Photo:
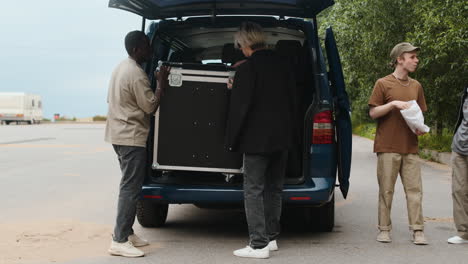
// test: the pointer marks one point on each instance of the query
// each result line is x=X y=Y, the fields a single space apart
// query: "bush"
x=440 y=143
x=65 y=118
x=99 y=118
x=365 y=130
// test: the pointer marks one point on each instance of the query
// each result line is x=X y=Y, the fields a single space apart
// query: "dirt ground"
x=52 y=241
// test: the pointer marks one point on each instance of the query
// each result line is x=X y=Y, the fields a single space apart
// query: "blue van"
x=197 y=32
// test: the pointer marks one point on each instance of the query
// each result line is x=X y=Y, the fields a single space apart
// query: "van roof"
x=160 y=9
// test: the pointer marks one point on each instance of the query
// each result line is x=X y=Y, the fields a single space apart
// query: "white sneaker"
x=384 y=236
x=249 y=252
x=419 y=238
x=273 y=246
x=137 y=241
x=457 y=240
x=125 y=249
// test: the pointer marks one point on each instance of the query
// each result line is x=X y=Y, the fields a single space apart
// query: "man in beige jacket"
x=131 y=102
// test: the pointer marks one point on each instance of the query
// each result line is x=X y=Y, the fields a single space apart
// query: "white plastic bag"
x=414 y=118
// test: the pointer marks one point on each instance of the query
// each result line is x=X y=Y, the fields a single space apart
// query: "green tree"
x=366 y=31
x=441 y=29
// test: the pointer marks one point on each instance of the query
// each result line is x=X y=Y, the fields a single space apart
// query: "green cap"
x=401 y=48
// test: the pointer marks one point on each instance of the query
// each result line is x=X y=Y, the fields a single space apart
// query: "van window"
x=39 y=104
x=33 y=102
x=214 y=45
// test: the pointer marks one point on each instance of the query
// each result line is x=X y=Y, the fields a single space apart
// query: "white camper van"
x=20 y=107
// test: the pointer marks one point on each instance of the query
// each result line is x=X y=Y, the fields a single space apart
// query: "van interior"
x=201 y=40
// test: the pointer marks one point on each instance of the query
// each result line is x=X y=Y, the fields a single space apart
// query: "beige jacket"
x=131 y=101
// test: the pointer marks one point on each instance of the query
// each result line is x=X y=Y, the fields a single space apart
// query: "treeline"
x=366 y=31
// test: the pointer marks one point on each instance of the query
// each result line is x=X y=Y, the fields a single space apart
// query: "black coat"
x=262 y=104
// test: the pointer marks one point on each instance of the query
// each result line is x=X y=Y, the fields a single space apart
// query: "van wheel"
x=150 y=214
x=321 y=219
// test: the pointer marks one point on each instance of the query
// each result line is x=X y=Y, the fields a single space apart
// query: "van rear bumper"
x=306 y=194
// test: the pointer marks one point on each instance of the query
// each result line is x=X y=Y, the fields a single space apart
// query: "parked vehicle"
x=20 y=107
x=196 y=38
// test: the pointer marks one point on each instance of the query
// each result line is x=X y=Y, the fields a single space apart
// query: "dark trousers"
x=263 y=187
x=133 y=166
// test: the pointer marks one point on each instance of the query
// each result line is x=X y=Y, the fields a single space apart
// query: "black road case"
x=191 y=120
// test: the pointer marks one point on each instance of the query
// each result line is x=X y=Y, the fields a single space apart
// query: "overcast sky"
x=62 y=50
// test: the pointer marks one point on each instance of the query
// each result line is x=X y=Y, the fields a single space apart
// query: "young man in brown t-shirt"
x=395 y=144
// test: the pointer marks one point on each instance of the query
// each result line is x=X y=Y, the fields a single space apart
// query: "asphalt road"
x=58 y=189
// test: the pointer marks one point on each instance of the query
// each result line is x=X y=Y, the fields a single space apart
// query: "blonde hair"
x=250 y=35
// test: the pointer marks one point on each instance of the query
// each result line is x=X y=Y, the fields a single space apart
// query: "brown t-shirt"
x=393 y=134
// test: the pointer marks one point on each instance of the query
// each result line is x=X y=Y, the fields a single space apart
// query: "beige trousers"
x=389 y=165
x=460 y=193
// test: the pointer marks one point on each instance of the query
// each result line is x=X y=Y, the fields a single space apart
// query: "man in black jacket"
x=260 y=126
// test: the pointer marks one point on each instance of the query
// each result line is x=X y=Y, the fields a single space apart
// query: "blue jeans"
x=263 y=187
x=133 y=166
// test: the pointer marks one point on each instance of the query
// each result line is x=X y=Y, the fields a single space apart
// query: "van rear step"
x=208 y=179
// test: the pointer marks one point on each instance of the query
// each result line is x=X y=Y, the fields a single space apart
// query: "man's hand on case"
x=162 y=77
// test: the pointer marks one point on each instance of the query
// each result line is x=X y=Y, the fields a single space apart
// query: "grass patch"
x=366 y=130
x=440 y=143
x=425 y=155
x=99 y=118
x=65 y=118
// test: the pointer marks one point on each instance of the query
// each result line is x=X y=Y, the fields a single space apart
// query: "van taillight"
x=304 y=198
x=322 y=132
x=153 y=196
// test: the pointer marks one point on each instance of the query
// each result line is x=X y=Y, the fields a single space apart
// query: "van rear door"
x=342 y=111
x=160 y=9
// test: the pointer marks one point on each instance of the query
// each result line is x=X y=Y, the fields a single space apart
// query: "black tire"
x=321 y=219
x=150 y=214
